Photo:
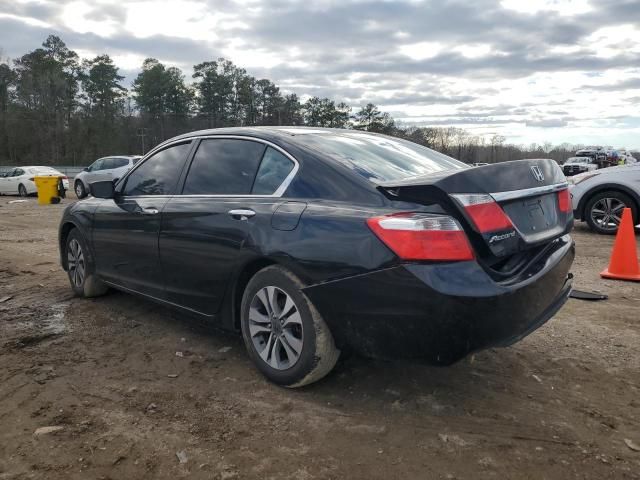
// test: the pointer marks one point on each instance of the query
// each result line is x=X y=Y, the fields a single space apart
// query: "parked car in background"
x=599 y=196
x=20 y=180
x=107 y=168
x=627 y=157
x=597 y=155
x=576 y=165
x=314 y=241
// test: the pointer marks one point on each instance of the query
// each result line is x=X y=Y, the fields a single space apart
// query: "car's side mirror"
x=103 y=189
x=85 y=169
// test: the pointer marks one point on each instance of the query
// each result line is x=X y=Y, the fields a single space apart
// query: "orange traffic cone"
x=624 y=257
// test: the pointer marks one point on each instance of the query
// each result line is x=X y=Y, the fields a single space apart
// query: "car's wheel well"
x=246 y=274
x=65 y=230
x=607 y=188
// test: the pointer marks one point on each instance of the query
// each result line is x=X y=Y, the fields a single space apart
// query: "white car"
x=599 y=197
x=107 y=168
x=576 y=165
x=20 y=180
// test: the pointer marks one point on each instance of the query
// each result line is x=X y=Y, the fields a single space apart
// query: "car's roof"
x=268 y=132
x=45 y=167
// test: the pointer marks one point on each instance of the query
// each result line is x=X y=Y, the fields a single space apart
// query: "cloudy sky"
x=531 y=70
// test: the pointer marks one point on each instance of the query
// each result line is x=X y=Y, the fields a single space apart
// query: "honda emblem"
x=537 y=173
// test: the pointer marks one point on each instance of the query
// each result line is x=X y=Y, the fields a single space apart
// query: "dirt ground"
x=140 y=391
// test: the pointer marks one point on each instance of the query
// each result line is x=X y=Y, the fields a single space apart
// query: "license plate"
x=535 y=214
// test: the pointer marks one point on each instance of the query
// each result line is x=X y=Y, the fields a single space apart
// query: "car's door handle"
x=149 y=211
x=242 y=213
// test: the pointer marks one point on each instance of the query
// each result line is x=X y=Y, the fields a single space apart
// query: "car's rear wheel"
x=603 y=211
x=22 y=190
x=81 y=192
x=80 y=269
x=285 y=335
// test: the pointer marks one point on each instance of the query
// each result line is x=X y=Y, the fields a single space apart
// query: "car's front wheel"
x=81 y=192
x=603 y=211
x=80 y=268
x=285 y=335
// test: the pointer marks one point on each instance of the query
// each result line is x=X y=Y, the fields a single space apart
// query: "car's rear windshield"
x=380 y=158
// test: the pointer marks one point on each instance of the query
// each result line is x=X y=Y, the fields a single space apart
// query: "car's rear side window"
x=108 y=164
x=119 y=162
x=223 y=166
x=378 y=157
x=273 y=170
x=159 y=174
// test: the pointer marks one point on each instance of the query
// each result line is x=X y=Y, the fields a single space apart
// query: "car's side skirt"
x=158 y=300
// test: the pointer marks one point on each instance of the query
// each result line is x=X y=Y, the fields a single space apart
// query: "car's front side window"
x=95 y=166
x=223 y=166
x=159 y=174
x=273 y=170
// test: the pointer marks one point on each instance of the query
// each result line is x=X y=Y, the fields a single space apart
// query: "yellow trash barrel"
x=47 y=189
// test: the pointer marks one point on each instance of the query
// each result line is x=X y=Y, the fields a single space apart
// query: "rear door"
x=125 y=229
x=119 y=168
x=231 y=186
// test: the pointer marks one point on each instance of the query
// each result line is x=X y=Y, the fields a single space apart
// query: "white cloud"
x=421 y=50
x=75 y=16
x=27 y=20
x=562 y=7
x=473 y=50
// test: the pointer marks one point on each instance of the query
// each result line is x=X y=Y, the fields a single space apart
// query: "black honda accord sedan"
x=316 y=241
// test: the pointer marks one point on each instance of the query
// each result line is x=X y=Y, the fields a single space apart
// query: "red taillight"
x=564 y=202
x=32 y=179
x=484 y=211
x=422 y=236
x=64 y=177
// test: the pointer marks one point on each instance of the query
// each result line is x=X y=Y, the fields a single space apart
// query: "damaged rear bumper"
x=442 y=312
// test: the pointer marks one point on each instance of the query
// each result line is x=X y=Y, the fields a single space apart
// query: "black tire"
x=88 y=285
x=22 y=191
x=317 y=354
x=592 y=209
x=79 y=189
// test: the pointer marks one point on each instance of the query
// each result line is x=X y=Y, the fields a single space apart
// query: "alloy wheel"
x=275 y=327
x=22 y=191
x=79 y=191
x=607 y=213
x=75 y=262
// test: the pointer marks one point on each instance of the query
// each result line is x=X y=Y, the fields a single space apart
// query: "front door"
x=126 y=228
x=227 y=192
x=5 y=182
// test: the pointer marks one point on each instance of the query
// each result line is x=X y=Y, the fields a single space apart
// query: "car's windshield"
x=380 y=158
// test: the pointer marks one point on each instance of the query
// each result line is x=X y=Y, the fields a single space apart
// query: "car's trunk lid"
x=525 y=190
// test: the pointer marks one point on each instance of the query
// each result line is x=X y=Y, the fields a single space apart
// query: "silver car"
x=107 y=168
x=600 y=196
